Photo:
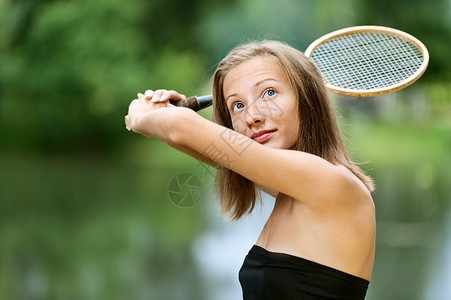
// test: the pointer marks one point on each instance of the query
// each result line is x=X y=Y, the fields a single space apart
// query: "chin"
x=275 y=142
x=275 y=145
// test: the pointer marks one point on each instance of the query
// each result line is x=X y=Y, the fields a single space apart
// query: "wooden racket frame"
x=377 y=29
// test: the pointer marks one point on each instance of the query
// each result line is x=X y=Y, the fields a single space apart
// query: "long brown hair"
x=319 y=132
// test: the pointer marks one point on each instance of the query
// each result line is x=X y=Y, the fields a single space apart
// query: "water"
x=413 y=251
x=77 y=228
x=221 y=250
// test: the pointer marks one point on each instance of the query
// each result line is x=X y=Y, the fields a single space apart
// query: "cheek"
x=238 y=124
x=297 y=126
x=296 y=118
x=293 y=135
x=294 y=123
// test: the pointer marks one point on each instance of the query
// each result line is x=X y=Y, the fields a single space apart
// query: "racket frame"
x=374 y=29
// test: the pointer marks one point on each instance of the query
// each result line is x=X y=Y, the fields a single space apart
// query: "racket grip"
x=194 y=102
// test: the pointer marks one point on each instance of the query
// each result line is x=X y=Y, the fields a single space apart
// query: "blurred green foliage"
x=69 y=68
x=84 y=212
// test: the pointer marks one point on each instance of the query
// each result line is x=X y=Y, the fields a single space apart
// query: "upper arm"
x=308 y=178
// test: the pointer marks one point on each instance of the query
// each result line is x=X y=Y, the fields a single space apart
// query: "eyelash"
x=264 y=93
x=269 y=90
x=235 y=104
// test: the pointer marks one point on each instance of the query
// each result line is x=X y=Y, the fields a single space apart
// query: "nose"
x=254 y=116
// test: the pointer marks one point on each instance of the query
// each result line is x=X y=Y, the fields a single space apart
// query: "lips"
x=262 y=135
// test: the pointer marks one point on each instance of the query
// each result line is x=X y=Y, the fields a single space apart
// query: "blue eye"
x=269 y=93
x=237 y=106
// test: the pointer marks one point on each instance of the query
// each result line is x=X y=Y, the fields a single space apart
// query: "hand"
x=147 y=102
x=162 y=96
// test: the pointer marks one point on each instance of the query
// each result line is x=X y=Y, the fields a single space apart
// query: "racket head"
x=365 y=61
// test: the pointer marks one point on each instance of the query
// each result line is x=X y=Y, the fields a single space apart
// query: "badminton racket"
x=366 y=61
x=359 y=61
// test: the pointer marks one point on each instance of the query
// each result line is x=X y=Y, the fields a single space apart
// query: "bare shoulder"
x=345 y=192
x=353 y=184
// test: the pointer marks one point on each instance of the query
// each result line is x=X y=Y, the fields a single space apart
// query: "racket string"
x=366 y=61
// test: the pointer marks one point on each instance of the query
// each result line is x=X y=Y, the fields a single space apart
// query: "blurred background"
x=85 y=211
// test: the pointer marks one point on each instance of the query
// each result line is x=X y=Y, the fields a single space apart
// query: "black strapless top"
x=270 y=275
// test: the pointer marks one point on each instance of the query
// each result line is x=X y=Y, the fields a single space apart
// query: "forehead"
x=253 y=71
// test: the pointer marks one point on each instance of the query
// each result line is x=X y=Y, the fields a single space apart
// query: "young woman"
x=275 y=129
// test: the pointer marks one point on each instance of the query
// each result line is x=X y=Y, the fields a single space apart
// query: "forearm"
x=193 y=153
x=198 y=135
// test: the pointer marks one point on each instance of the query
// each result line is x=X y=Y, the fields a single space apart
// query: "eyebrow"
x=264 y=80
x=231 y=95
x=255 y=85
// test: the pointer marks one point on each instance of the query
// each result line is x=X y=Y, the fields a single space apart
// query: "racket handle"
x=194 y=102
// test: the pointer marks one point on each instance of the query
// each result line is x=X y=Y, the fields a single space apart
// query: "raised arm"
x=308 y=178
x=303 y=176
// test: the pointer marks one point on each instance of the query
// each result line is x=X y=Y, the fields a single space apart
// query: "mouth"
x=262 y=136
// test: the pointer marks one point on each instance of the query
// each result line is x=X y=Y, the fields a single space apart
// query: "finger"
x=140 y=96
x=127 y=123
x=157 y=95
x=171 y=95
x=148 y=94
x=165 y=96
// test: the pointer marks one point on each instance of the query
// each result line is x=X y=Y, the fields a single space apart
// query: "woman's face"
x=262 y=104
